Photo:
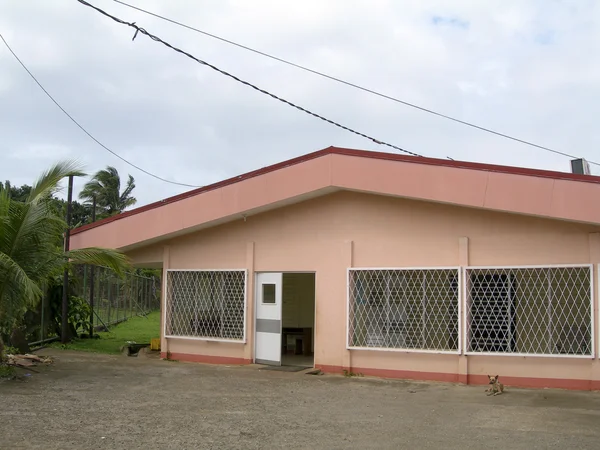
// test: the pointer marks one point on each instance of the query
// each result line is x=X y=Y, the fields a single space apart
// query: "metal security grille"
x=531 y=310
x=206 y=304
x=409 y=309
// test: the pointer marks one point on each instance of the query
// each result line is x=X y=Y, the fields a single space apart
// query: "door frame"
x=255 y=303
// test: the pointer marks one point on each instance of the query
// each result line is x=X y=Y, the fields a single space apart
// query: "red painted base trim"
x=388 y=373
x=536 y=383
x=523 y=382
x=206 y=359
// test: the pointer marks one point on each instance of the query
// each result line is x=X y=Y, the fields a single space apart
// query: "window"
x=493 y=312
x=529 y=310
x=403 y=309
x=268 y=294
x=206 y=304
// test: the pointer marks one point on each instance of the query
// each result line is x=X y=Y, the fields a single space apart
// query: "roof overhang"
x=243 y=215
x=553 y=195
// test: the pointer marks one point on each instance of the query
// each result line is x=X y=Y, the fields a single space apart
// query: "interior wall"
x=298 y=298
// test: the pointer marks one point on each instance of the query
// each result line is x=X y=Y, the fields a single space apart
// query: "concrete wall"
x=329 y=234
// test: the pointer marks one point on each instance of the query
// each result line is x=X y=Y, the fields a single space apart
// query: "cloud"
x=44 y=151
x=450 y=21
x=187 y=123
x=546 y=37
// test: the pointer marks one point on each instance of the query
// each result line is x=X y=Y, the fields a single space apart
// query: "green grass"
x=115 y=314
x=138 y=329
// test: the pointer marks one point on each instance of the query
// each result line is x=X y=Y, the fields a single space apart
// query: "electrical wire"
x=178 y=50
x=347 y=83
x=83 y=129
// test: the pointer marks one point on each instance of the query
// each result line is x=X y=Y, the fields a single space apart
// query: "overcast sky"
x=529 y=68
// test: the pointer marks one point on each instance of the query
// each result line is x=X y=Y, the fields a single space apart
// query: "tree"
x=105 y=185
x=31 y=250
x=19 y=194
x=80 y=213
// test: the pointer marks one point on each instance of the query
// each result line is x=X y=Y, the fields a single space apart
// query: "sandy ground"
x=116 y=402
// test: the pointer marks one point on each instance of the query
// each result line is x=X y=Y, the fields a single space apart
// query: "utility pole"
x=65 y=293
x=92 y=273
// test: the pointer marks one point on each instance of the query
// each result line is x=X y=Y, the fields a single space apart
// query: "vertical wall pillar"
x=463 y=261
x=594 y=242
x=249 y=347
x=348 y=258
x=164 y=346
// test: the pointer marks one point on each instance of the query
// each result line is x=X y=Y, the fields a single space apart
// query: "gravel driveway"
x=97 y=401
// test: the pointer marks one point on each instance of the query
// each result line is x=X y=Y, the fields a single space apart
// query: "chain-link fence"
x=117 y=299
x=114 y=300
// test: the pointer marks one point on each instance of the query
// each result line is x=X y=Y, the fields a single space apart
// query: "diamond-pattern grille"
x=206 y=304
x=529 y=310
x=404 y=309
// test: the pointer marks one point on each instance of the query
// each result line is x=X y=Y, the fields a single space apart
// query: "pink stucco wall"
x=331 y=233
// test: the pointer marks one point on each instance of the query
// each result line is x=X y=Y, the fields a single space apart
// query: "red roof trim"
x=347 y=152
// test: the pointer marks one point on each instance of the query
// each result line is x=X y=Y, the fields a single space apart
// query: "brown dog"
x=496 y=388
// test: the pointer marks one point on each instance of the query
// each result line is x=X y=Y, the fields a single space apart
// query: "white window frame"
x=200 y=338
x=595 y=294
x=459 y=279
x=466 y=325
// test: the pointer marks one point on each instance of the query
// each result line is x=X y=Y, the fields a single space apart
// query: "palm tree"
x=30 y=247
x=105 y=185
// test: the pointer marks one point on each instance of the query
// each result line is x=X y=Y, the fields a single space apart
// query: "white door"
x=268 y=319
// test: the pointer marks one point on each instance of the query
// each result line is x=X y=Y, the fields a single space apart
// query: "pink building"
x=381 y=264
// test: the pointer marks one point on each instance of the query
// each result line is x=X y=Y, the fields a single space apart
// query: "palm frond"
x=10 y=225
x=105 y=186
x=5 y=222
x=15 y=285
x=31 y=240
x=31 y=235
x=126 y=203
x=48 y=183
x=97 y=256
x=4 y=202
x=125 y=199
x=129 y=188
x=90 y=190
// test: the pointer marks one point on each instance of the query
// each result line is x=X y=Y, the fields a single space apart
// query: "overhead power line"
x=287 y=102
x=348 y=83
x=83 y=129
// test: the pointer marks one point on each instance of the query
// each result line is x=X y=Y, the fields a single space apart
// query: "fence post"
x=109 y=301
x=92 y=273
x=119 y=300
x=137 y=291
x=129 y=296
x=145 y=294
x=65 y=337
x=42 y=318
x=115 y=299
x=92 y=289
x=84 y=281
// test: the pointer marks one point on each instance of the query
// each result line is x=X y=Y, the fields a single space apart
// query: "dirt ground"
x=116 y=402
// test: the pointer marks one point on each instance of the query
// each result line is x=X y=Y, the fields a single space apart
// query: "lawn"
x=139 y=329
